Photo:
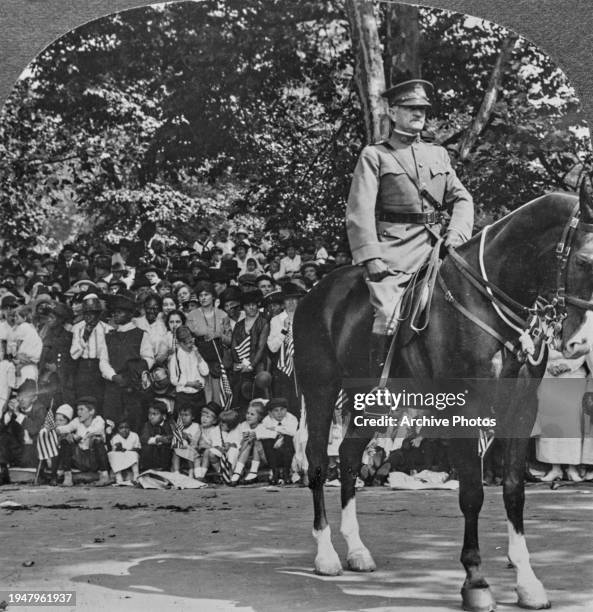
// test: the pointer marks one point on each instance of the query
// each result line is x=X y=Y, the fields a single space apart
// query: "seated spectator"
x=221 y=456
x=188 y=453
x=251 y=451
x=22 y=418
x=63 y=416
x=277 y=432
x=82 y=443
x=155 y=439
x=210 y=439
x=125 y=449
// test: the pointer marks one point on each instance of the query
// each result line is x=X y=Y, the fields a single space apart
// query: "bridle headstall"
x=539 y=324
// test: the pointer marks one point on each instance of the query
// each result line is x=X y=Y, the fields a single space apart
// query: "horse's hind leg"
x=319 y=403
x=359 y=558
x=475 y=592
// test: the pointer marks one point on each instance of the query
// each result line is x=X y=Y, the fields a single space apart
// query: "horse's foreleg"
x=327 y=562
x=475 y=592
x=359 y=558
x=530 y=591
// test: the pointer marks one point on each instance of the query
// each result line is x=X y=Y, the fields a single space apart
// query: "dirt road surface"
x=250 y=550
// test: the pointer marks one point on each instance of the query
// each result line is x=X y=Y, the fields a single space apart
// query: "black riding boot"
x=379 y=348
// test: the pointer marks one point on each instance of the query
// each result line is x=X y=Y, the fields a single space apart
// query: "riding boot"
x=380 y=344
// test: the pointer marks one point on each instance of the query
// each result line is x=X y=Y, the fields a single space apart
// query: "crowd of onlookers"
x=121 y=358
x=148 y=355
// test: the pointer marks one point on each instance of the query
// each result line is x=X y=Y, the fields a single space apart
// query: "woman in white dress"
x=564 y=433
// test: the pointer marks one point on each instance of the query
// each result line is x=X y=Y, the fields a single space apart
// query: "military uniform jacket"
x=389 y=177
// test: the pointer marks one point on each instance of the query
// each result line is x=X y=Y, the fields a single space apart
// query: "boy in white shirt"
x=277 y=432
x=82 y=443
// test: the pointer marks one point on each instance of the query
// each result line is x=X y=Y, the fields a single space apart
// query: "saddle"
x=415 y=306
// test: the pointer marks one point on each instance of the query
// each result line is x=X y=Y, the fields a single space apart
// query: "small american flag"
x=484 y=441
x=244 y=349
x=47 y=439
x=286 y=359
x=226 y=393
x=342 y=400
x=177 y=427
x=226 y=468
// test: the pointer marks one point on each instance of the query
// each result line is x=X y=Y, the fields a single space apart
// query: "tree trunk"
x=490 y=98
x=403 y=40
x=369 y=75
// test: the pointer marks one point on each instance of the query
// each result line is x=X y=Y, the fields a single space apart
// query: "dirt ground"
x=250 y=549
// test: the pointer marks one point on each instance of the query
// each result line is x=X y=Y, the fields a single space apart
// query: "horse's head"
x=577 y=329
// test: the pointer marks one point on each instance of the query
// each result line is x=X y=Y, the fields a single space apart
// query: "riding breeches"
x=386 y=298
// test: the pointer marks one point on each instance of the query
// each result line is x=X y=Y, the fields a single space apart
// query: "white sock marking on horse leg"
x=359 y=558
x=530 y=590
x=327 y=562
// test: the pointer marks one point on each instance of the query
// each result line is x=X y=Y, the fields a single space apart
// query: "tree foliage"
x=193 y=112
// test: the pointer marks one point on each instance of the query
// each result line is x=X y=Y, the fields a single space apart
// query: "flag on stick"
x=286 y=359
x=226 y=393
x=47 y=439
x=244 y=348
x=177 y=427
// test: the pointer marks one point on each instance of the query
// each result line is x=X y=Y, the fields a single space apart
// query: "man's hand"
x=376 y=269
x=453 y=239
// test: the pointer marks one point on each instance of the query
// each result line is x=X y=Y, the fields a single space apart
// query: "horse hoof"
x=328 y=566
x=478 y=599
x=534 y=598
x=361 y=561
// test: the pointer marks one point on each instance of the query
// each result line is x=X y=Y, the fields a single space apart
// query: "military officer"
x=397 y=188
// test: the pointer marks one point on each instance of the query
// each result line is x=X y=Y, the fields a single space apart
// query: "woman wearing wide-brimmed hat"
x=248 y=345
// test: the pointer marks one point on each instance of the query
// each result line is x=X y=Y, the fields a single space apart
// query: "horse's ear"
x=586 y=199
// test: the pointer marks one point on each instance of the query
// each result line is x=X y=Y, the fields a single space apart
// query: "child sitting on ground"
x=82 y=443
x=188 y=453
x=62 y=417
x=156 y=439
x=277 y=432
x=125 y=449
x=251 y=450
x=211 y=437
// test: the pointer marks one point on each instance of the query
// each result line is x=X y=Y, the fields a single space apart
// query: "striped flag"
x=484 y=441
x=47 y=439
x=244 y=348
x=342 y=400
x=286 y=359
x=177 y=427
x=226 y=469
x=226 y=393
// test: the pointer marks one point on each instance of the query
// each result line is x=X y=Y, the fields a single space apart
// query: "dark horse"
x=332 y=327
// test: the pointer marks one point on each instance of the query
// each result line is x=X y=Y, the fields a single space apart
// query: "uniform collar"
x=406 y=138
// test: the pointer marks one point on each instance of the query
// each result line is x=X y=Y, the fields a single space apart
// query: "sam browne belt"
x=429 y=218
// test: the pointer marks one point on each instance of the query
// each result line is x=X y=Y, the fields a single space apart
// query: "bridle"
x=542 y=322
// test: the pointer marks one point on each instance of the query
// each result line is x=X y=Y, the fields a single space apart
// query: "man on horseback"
x=398 y=190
